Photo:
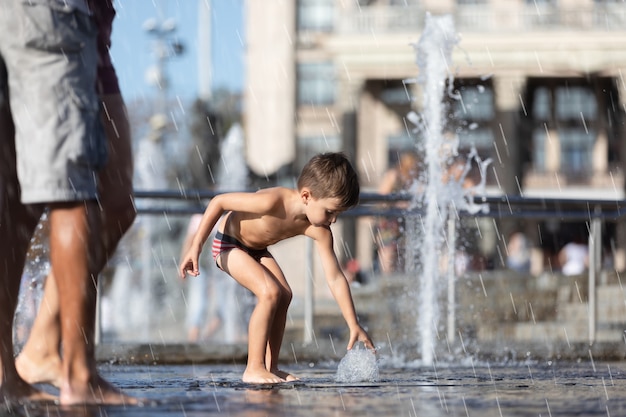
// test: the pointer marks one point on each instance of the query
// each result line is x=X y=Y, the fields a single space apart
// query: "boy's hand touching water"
x=360 y=335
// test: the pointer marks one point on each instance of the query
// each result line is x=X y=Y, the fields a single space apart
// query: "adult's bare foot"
x=261 y=376
x=39 y=371
x=19 y=392
x=285 y=375
x=99 y=391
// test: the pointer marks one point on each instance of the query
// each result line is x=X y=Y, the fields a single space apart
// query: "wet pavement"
x=538 y=388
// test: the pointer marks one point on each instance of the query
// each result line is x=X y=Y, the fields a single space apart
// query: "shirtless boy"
x=327 y=186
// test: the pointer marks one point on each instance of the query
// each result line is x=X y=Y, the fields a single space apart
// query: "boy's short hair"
x=330 y=175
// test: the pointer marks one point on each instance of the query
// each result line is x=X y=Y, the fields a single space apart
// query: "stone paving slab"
x=518 y=389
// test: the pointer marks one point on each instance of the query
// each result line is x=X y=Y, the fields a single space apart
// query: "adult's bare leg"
x=73 y=228
x=17 y=224
x=40 y=361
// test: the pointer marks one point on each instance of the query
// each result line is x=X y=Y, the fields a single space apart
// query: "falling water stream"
x=433 y=58
x=440 y=197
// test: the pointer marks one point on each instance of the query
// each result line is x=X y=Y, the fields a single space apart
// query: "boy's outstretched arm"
x=340 y=288
x=192 y=247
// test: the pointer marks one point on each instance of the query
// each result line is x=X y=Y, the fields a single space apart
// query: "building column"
x=348 y=98
x=552 y=150
x=371 y=149
x=358 y=104
x=619 y=257
x=269 y=108
x=507 y=163
x=508 y=90
x=599 y=160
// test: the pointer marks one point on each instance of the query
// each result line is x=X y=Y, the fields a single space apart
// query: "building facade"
x=539 y=84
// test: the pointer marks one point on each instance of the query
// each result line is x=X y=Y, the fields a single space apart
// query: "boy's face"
x=322 y=211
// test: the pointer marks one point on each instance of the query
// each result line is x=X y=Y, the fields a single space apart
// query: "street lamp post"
x=151 y=152
x=166 y=46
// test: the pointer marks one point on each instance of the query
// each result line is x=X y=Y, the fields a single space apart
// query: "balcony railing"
x=482 y=18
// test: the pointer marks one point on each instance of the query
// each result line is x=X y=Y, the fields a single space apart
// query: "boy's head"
x=330 y=175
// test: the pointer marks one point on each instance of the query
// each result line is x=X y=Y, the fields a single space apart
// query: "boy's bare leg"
x=17 y=223
x=249 y=273
x=40 y=361
x=277 y=330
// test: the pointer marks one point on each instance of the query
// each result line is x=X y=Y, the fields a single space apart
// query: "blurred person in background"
x=389 y=230
x=574 y=257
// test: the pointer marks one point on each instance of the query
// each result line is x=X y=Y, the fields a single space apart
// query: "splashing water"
x=358 y=365
x=440 y=195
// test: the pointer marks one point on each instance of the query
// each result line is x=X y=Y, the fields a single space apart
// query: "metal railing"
x=596 y=212
x=499 y=206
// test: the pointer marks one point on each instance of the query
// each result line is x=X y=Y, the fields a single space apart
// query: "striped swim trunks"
x=223 y=243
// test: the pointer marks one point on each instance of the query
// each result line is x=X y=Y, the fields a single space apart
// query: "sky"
x=133 y=48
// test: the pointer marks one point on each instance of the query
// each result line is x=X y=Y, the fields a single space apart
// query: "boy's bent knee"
x=286 y=296
x=271 y=294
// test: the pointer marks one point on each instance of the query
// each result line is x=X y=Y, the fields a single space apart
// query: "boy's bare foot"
x=285 y=375
x=261 y=377
x=46 y=371
x=20 y=392
x=100 y=391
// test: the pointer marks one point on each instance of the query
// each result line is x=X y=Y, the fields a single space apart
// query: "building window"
x=315 y=15
x=398 y=144
x=575 y=103
x=541 y=104
x=539 y=149
x=479 y=137
x=569 y=109
x=575 y=109
x=404 y=2
x=367 y=3
x=576 y=147
x=473 y=112
x=541 y=14
x=542 y=2
x=316 y=83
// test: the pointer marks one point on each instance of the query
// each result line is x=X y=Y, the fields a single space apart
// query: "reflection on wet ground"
x=480 y=389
